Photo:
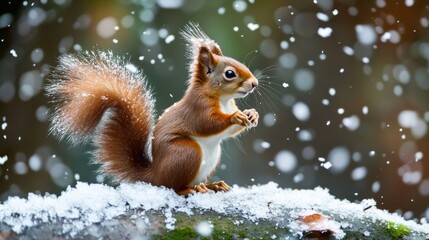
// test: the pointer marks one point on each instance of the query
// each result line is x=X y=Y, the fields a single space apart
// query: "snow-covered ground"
x=86 y=204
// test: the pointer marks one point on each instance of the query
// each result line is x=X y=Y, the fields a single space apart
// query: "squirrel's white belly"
x=211 y=151
x=210 y=148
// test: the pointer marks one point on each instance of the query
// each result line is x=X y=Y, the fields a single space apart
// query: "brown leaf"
x=316 y=224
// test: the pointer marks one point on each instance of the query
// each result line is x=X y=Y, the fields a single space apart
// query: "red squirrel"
x=98 y=97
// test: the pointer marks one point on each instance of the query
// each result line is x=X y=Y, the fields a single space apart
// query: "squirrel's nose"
x=254 y=84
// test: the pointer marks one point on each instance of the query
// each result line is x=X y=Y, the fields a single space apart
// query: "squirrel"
x=99 y=97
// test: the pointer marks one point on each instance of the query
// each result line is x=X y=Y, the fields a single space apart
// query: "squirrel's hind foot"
x=220 y=186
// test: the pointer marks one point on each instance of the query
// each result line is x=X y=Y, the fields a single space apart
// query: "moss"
x=179 y=233
x=397 y=231
x=223 y=228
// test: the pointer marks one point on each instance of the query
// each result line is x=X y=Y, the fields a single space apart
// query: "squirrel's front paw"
x=252 y=116
x=240 y=118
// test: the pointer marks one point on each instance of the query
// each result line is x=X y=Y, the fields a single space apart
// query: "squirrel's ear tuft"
x=195 y=38
x=201 y=50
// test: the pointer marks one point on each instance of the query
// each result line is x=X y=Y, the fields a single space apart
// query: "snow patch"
x=86 y=204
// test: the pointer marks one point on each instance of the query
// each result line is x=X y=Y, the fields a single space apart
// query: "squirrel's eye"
x=229 y=74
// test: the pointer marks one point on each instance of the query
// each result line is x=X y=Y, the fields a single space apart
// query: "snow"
x=284 y=44
x=3 y=159
x=150 y=37
x=380 y=3
x=424 y=187
x=131 y=67
x=288 y=60
x=252 y=26
x=106 y=27
x=366 y=34
x=418 y=156
x=286 y=161
x=391 y=36
x=127 y=21
x=86 y=204
x=169 y=39
x=204 y=229
x=35 y=162
x=365 y=110
x=359 y=173
x=339 y=157
x=326 y=165
x=305 y=135
x=304 y=80
x=37 y=55
x=221 y=11
x=301 y=111
x=409 y=3
x=324 y=32
x=348 y=50
x=410 y=119
x=20 y=168
x=239 y=6
x=375 y=187
x=265 y=145
x=322 y=17
x=13 y=53
x=352 y=123
x=170 y=4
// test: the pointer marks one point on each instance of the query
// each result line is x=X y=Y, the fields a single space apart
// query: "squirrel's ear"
x=206 y=58
x=216 y=50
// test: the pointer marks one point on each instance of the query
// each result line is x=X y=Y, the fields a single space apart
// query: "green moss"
x=223 y=228
x=179 y=233
x=397 y=231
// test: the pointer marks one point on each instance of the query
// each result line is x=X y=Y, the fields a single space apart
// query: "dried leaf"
x=316 y=226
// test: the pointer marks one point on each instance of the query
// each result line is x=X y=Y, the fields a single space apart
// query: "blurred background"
x=344 y=101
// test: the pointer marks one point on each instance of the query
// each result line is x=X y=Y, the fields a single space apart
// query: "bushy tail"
x=99 y=97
